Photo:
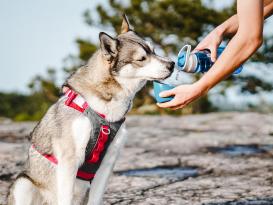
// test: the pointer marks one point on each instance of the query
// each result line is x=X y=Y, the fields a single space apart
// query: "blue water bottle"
x=198 y=62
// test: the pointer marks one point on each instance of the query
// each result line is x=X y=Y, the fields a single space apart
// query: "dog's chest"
x=92 y=135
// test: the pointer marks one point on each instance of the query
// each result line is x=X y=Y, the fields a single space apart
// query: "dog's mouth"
x=170 y=73
x=161 y=78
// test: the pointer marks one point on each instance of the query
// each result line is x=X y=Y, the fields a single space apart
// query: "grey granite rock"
x=227 y=159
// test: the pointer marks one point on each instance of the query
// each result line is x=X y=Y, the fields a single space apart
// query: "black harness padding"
x=97 y=122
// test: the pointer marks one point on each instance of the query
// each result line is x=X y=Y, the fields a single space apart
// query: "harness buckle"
x=70 y=97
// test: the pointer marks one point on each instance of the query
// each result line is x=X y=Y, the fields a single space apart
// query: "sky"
x=37 y=34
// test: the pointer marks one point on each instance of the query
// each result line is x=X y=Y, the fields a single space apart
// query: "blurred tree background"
x=43 y=93
x=168 y=24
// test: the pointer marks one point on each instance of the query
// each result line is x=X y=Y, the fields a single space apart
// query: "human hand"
x=183 y=95
x=211 y=42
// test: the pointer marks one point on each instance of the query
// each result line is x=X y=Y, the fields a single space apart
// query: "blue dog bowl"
x=158 y=88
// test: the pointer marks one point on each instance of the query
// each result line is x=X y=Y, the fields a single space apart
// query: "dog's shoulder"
x=58 y=119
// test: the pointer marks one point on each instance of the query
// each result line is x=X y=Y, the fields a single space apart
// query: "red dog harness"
x=100 y=138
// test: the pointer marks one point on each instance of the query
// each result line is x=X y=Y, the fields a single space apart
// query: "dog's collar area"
x=76 y=101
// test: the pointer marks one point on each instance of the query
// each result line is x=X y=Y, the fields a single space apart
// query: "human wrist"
x=220 y=31
x=229 y=27
x=203 y=86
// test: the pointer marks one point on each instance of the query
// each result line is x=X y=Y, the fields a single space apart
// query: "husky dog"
x=108 y=84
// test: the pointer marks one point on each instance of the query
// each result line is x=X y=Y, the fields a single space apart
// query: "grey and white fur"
x=108 y=83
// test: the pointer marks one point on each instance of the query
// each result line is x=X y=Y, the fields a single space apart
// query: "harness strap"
x=77 y=102
x=100 y=145
x=50 y=157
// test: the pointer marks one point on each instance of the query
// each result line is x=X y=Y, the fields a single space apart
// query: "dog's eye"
x=142 y=59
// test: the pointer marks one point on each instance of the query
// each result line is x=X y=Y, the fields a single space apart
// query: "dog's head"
x=129 y=56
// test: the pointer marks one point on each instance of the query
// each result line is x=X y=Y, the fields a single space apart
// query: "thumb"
x=201 y=46
x=213 y=54
x=198 y=48
x=167 y=93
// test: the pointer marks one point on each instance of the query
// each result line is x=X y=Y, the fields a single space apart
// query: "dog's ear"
x=109 y=46
x=125 y=26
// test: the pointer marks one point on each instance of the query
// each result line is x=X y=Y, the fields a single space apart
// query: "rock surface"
x=218 y=158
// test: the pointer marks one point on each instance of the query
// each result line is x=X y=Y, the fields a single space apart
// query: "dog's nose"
x=171 y=66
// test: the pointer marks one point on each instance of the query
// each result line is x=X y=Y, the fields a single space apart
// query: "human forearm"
x=248 y=37
x=245 y=42
x=237 y=52
x=230 y=26
x=228 y=29
x=268 y=9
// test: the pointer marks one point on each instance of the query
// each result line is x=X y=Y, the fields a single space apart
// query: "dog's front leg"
x=66 y=175
x=70 y=157
x=99 y=183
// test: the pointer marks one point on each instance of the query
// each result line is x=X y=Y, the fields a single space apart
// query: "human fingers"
x=169 y=104
x=213 y=53
x=167 y=93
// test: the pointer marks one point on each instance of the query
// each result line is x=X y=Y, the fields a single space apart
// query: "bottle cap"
x=183 y=57
x=181 y=61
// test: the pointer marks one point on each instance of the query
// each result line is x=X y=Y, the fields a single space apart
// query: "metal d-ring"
x=105 y=131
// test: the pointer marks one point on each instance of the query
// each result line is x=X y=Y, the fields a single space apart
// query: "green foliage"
x=186 y=20
x=86 y=49
x=43 y=92
x=23 y=107
x=253 y=85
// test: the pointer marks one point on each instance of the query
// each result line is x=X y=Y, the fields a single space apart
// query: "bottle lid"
x=181 y=61
x=183 y=57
